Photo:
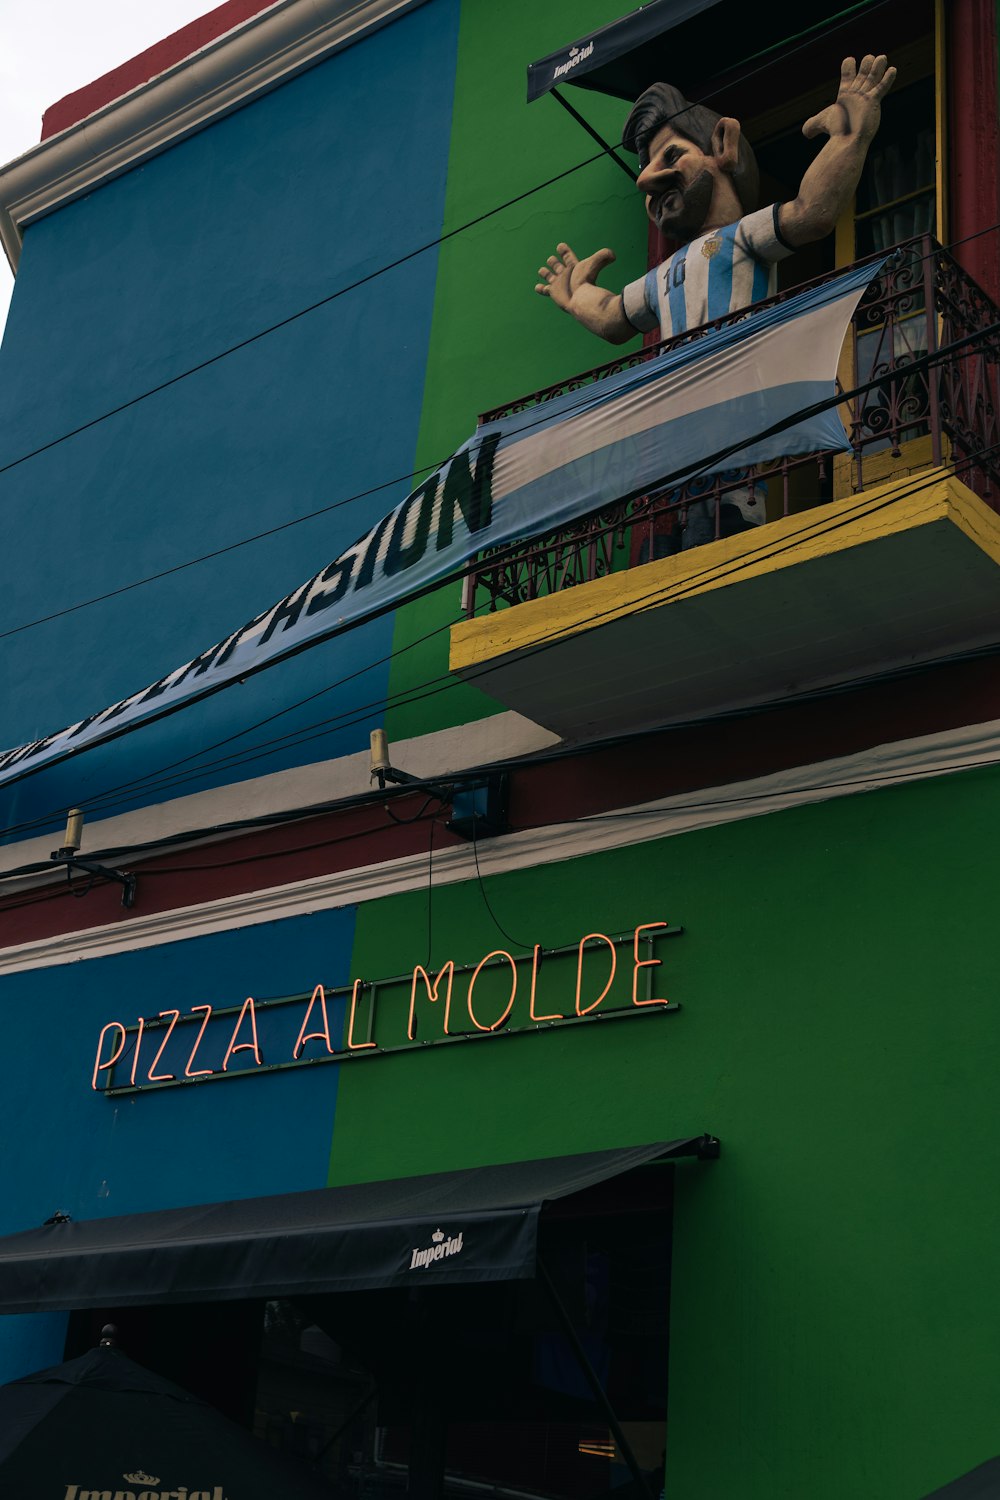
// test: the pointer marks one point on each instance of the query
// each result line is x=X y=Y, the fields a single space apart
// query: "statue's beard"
x=681 y=211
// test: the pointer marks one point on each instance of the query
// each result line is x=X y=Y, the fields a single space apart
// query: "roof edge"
x=266 y=50
x=149 y=63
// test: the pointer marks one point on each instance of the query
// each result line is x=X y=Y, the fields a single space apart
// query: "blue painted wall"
x=309 y=188
x=93 y=1157
x=31 y=1342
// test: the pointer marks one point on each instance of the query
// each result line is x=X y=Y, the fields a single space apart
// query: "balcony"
x=868 y=561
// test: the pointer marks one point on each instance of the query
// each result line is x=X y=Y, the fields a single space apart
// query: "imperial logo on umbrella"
x=87 y=1418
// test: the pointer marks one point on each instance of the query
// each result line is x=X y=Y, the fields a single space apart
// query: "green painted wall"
x=492 y=338
x=836 y=1317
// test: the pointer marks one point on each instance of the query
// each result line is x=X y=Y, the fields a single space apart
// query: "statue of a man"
x=699 y=177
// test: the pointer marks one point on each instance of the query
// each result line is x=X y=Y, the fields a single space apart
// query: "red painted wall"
x=974 y=143
x=156 y=59
x=594 y=781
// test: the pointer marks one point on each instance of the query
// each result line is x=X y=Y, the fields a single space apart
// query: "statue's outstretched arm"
x=829 y=183
x=572 y=285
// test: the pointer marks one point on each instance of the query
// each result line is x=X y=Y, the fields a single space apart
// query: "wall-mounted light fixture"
x=68 y=852
x=478 y=807
x=382 y=769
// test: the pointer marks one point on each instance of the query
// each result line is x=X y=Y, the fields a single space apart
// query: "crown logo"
x=139 y=1477
x=437 y=1236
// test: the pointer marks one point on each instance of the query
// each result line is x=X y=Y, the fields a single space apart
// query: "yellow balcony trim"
x=879 y=468
x=883 y=511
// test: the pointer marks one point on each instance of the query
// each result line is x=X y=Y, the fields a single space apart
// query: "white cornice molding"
x=866 y=771
x=229 y=72
x=503 y=737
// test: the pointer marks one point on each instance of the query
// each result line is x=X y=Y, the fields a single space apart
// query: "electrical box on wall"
x=479 y=809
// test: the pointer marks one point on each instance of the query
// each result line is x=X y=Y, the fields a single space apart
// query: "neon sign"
x=600 y=978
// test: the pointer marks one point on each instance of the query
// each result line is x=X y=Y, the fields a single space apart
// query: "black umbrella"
x=982 y=1483
x=102 y=1425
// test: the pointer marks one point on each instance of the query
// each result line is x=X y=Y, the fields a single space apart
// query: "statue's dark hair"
x=665 y=105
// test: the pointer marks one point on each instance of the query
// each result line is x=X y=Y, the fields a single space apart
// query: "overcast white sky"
x=51 y=47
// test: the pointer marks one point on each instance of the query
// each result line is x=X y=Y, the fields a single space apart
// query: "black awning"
x=982 y=1483
x=683 y=42
x=469 y=1226
x=610 y=51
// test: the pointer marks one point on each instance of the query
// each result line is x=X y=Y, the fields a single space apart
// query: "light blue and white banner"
x=693 y=410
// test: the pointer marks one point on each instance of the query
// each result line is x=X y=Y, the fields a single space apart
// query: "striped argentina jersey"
x=717 y=273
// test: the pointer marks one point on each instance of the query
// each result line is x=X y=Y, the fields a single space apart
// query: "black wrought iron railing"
x=924 y=360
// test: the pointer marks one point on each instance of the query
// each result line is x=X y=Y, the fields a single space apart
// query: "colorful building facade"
x=700 y=850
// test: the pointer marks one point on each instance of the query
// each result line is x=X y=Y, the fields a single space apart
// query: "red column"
x=974 y=138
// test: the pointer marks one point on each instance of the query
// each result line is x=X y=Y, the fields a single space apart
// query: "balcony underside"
x=884 y=579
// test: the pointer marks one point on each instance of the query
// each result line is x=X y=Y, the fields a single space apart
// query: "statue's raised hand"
x=564 y=277
x=858 y=108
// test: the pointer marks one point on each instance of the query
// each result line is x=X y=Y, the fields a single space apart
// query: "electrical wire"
x=294 y=521
x=191 y=562
x=787 y=48
x=347 y=499
x=695 y=582
x=365 y=800
x=551 y=755
x=525 y=947
x=443 y=582
x=889 y=778
x=430 y=888
x=49 y=892
x=302 y=312
x=709 y=464
x=795 y=43
x=323 y=301
x=445 y=682
x=556 y=754
x=432 y=688
x=369 y=666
